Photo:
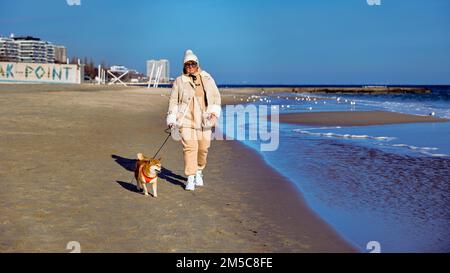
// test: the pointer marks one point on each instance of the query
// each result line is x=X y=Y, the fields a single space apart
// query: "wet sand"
x=355 y=118
x=66 y=166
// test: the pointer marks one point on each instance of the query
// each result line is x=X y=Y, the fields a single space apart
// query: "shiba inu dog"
x=145 y=172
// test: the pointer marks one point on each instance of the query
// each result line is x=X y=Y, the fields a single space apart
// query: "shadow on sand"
x=129 y=164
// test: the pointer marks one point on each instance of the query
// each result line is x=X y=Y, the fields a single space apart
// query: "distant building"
x=123 y=69
x=154 y=65
x=9 y=50
x=60 y=54
x=118 y=68
x=30 y=49
x=33 y=50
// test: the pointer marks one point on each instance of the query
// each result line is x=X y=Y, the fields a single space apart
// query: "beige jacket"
x=182 y=95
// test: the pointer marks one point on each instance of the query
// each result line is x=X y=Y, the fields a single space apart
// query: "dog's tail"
x=140 y=156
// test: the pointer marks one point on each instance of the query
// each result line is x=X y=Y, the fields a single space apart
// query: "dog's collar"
x=148 y=179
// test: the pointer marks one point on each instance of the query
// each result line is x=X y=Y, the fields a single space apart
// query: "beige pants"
x=195 y=149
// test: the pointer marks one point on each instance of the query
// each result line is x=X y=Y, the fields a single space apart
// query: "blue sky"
x=253 y=42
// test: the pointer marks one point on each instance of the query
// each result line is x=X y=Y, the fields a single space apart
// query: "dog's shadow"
x=129 y=164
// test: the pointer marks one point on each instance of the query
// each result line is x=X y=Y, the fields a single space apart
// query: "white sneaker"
x=190 y=185
x=199 y=178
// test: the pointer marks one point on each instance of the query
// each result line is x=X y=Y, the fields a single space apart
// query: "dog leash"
x=168 y=131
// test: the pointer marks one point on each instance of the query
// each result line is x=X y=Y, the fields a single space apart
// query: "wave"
x=422 y=108
x=434 y=155
x=381 y=138
x=411 y=147
x=322 y=128
x=422 y=150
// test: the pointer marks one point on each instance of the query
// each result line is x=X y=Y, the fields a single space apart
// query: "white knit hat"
x=190 y=56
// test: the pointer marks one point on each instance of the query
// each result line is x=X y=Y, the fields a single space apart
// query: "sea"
x=388 y=184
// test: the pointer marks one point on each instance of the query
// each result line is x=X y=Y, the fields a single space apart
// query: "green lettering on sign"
x=55 y=73
x=67 y=72
x=9 y=71
x=36 y=72
x=28 y=70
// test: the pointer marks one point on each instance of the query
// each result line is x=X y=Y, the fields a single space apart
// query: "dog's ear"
x=159 y=159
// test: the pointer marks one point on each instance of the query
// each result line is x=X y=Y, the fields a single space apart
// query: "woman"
x=194 y=108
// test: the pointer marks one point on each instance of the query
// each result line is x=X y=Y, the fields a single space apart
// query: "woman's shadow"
x=128 y=164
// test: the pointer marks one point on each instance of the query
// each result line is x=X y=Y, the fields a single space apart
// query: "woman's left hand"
x=212 y=117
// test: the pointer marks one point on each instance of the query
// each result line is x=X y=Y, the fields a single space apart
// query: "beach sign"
x=40 y=72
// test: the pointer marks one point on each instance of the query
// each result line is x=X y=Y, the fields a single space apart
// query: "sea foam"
x=350 y=136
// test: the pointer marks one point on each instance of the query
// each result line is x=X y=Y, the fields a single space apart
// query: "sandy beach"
x=282 y=127
x=66 y=166
x=66 y=174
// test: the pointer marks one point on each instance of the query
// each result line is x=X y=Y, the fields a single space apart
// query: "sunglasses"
x=190 y=64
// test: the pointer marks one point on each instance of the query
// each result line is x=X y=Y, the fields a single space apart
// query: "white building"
x=118 y=68
x=60 y=54
x=154 y=65
x=31 y=50
x=9 y=50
